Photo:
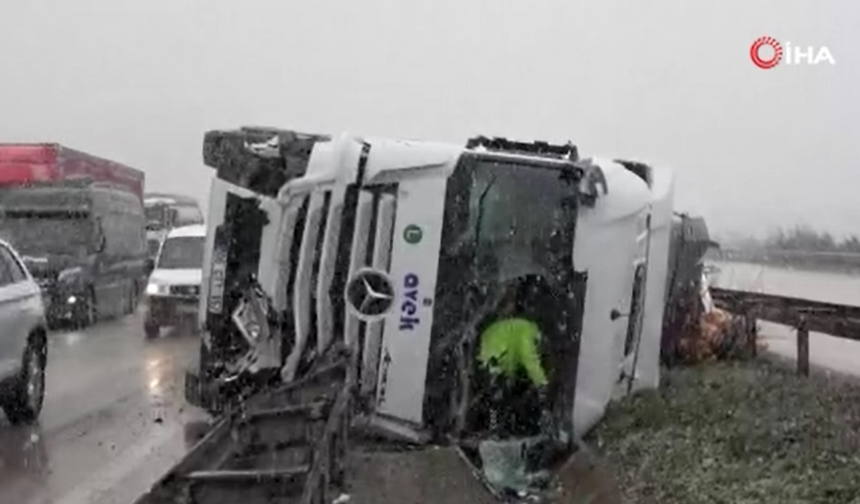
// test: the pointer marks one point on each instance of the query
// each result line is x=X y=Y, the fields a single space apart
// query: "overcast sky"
x=669 y=82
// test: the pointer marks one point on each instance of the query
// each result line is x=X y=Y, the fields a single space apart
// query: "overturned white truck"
x=374 y=263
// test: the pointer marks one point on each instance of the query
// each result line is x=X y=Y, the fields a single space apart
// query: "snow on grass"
x=736 y=433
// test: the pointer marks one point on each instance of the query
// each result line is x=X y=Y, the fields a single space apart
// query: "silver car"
x=23 y=340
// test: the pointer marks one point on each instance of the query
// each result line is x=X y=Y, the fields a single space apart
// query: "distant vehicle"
x=174 y=285
x=23 y=343
x=22 y=164
x=166 y=211
x=83 y=241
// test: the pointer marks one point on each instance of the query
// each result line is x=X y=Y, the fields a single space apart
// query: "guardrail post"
x=802 y=347
x=751 y=329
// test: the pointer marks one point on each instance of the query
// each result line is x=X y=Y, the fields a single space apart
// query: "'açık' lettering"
x=409 y=306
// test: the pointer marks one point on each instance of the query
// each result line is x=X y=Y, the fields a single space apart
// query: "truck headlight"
x=153 y=289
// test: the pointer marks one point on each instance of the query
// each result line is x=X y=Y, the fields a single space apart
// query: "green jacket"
x=513 y=343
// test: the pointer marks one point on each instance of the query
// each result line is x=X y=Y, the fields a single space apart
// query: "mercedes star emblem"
x=370 y=293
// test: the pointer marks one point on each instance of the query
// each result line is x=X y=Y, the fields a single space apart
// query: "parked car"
x=173 y=290
x=23 y=339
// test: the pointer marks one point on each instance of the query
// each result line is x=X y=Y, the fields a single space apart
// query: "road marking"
x=106 y=479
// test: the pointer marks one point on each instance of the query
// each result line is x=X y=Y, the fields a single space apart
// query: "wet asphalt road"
x=114 y=418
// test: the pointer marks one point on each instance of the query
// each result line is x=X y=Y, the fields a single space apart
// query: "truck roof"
x=194 y=230
x=264 y=159
x=25 y=163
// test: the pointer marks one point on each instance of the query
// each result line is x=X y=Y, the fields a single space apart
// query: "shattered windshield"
x=516 y=212
x=53 y=233
x=184 y=252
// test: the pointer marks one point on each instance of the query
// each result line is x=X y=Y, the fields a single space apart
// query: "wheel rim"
x=35 y=381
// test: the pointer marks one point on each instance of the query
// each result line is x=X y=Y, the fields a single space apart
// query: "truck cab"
x=83 y=242
x=396 y=251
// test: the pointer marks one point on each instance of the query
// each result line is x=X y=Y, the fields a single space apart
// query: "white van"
x=173 y=291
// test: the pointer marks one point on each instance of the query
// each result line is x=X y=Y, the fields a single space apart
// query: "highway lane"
x=114 y=418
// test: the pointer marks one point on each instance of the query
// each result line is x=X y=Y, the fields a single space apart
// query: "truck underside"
x=311 y=435
x=299 y=443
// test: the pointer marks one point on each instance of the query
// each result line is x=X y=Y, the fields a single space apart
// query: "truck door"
x=517 y=229
x=502 y=221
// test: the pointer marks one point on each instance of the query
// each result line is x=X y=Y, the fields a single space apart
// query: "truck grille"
x=185 y=290
x=334 y=234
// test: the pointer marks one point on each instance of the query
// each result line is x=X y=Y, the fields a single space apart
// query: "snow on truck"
x=346 y=279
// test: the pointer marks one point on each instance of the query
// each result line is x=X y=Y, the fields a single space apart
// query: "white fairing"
x=606 y=248
x=406 y=338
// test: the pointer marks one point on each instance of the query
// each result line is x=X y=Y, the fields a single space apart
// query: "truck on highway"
x=78 y=222
x=165 y=211
x=345 y=280
x=23 y=163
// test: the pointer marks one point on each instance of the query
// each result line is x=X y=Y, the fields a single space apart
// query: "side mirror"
x=150 y=265
x=615 y=314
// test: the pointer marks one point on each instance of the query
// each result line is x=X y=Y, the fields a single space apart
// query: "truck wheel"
x=28 y=394
x=151 y=329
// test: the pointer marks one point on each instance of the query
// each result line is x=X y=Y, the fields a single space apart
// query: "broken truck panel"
x=391 y=254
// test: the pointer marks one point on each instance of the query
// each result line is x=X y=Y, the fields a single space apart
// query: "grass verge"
x=736 y=433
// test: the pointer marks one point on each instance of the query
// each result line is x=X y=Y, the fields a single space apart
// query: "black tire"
x=28 y=394
x=86 y=315
x=151 y=329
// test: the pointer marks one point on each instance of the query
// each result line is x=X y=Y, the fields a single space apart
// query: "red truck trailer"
x=21 y=164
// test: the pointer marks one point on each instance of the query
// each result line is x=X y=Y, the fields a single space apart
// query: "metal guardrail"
x=800 y=258
x=805 y=315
